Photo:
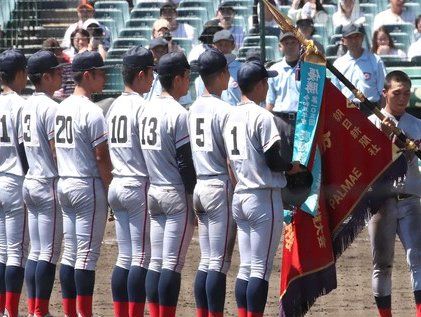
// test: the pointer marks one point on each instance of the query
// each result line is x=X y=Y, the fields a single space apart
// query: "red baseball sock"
x=12 y=304
x=31 y=305
x=216 y=314
x=253 y=314
x=385 y=312
x=167 y=311
x=136 y=309
x=121 y=309
x=69 y=307
x=201 y=312
x=41 y=307
x=242 y=312
x=2 y=302
x=84 y=305
x=153 y=309
x=418 y=309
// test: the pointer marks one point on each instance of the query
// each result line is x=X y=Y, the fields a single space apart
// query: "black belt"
x=287 y=115
x=403 y=196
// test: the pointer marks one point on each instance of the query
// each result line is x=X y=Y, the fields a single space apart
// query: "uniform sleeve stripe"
x=272 y=139
x=182 y=139
x=102 y=135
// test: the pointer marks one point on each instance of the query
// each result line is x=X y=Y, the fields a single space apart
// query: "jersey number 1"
x=4 y=138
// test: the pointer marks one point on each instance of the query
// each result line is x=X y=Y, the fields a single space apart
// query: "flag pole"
x=313 y=55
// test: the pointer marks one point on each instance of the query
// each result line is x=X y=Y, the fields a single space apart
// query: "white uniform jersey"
x=38 y=129
x=124 y=142
x=411 y=126
x=249 y=132
x=163 y=129
x=79 y=127
x=207 y=117
x=10 y=133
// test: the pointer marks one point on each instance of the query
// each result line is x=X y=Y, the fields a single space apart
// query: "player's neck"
x=249 y=98
x=82 y=91
x=46 y=90
x=171 y=93
x=215 y=91
x=7 y=89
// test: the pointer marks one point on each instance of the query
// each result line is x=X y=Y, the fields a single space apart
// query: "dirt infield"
x=351 y=298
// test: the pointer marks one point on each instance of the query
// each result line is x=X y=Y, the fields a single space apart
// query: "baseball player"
x=401 y=212
x=213 y=193
x=39 y=188
x=13 y=166
x=128 y=189
x=84 y=167
x=165 y=145
x=253 y=146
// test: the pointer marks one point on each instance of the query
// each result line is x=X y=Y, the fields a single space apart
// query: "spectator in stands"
x=183 y=30
x=226 y=14
x=269 y=19
x=417 y=31
x=159 y=47
x=96 y=37
x=306 y=26
x=348 y=12
x=360 y=66
x=206 y=39
x=415 y=50
x=80 y=42
x=396 y=14
x=382 y=44
x=67 y=83
x=101 y=31
x=161 y=28
x=308 y=9
x=84 y=12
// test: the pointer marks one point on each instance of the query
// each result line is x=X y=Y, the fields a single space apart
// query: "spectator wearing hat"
x=226 y=14
x=100 y=35
x=13 y=167
x=306 y=26
x=84 y=12
x=361 y=67
x=396 y=14
x=348 y=12
x=206 y=39
x=168 y=12
x=68 y=85
x=161 y=28
x=224 y=42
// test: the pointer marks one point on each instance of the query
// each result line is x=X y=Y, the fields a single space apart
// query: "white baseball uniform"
x=400 y=216
x=39 y=188
x=212 y=195
x=79 y=127
x=257 y=205
x=163 y=129
x=128 y=189
x=14 y=239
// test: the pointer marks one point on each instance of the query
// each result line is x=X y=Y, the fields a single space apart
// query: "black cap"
x=226 y=5
x=41 y=62
x=167 y=6
x=209 y=29
x=305 y=22
x=223 y=35
x=138 y=57
x=254 y=71
x=12 y=60
x=172 y=63
x=286 y=35
x=87 y=60
x=350 y=29
x=158 y=41
x=211 y=61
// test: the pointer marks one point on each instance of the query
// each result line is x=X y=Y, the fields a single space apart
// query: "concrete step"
x=48 y=4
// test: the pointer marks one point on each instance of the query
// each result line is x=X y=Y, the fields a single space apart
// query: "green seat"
x=151 y=13
x=184 y=43
x=140 y=4
x=208 y=4
x=114 y=81
x=369 y=8
x=271 y=41
x=407 y=28
x=320 y=29
x=115 y=53
x=284 y=9
x=198 y=12
x=123 y=6
x=400 y=37
x=112 y=14
x=140 y=23
x=144 y=32
x=128 y=42
x=243 y=11
x=110 y=24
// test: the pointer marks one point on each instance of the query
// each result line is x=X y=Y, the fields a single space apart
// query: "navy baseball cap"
x=158 y=41
x=171 y=63
x=223 y=35
x=138 y=57
x=253 y=71
x=87 y=60
x=351 y=29
x=286 y=35
x=41 y=62
x=12 y=60
x=211 y=61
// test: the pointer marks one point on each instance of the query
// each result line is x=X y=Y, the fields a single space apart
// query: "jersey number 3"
x=64 y=132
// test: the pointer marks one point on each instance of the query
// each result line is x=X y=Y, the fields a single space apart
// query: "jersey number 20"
x=64 y=131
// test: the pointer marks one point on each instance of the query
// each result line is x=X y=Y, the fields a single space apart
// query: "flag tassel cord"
x=313 y=55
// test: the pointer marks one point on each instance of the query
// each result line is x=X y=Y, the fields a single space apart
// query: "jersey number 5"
x=64 y=131
x=201 y=130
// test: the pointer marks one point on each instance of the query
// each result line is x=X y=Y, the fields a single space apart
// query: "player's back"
x=79 y=127
x=163 y=129
x=124 y=142
x=37 y=130
x=207 y=117
x=10 y=133
x=250 y=131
